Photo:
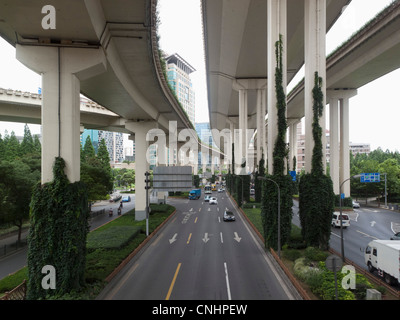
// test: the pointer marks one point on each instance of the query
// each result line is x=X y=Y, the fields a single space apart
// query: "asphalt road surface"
x=198 y=256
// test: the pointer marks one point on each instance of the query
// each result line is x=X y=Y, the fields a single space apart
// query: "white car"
x=336 y=220
x=356 y=204
x=213 y=200
x=229 y=216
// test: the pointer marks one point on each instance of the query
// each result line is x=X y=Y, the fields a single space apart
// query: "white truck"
x=384 y=256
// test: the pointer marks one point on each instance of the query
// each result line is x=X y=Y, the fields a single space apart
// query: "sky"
x=374 y=112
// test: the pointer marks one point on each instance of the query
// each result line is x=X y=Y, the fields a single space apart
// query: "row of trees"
x=377 y=161
x=20 y=171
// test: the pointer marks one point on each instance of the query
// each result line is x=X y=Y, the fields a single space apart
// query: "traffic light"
x=147 y=180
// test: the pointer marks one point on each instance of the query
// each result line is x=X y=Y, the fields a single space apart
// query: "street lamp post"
x=279 y=212
x=341 y=216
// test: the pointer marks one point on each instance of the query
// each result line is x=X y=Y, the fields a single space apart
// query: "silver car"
x=229 y=216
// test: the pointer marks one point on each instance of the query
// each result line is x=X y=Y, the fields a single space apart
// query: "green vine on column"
x=57 y=235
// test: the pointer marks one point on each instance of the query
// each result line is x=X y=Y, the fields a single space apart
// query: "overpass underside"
x=240 y=38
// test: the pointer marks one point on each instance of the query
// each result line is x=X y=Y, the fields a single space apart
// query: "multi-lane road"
x=198 y=256
x=366 y=224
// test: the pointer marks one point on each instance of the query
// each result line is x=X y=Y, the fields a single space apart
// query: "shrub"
x=115 y=237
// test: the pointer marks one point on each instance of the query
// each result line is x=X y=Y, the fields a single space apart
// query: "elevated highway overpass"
x=239 y=73
x=106 y=50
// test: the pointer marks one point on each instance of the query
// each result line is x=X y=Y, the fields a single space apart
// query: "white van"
x=336 y=220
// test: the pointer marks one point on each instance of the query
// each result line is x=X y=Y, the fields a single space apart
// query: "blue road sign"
x=370 y=177
x=293 y=174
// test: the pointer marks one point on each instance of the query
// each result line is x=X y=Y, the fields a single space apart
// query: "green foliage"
x=316 y=201
x=377 y=161
x=57 y=236
x=269 y=210
x=96 y=171
x=316 y=205
x=112 y=238
x=280 y=148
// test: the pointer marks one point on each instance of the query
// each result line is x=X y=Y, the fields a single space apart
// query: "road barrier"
x=18 y=293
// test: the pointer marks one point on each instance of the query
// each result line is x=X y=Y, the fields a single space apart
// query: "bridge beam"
x=62 y=69
x=315 y=61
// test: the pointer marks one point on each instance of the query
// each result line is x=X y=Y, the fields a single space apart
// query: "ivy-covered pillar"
x=315 y=61
x=277 y=30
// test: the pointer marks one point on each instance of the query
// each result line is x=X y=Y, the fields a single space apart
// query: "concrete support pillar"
x=315 y=61
x=277 y=26
x=243 y=117
x=62 y=69
x=345 y=145
x=334 y=161
x=339 y=138
x=261 y=112
x=140 y=130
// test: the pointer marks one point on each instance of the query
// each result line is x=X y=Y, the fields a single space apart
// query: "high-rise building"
x=178 y=76
x=114 y=142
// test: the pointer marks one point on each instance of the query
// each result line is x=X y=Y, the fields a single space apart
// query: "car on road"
x=396 y=236
x=356 y=204
x=207 y=198
x=252 y=192
x=229 y=216
x=213 y=200
x=336 y=220
x=220 y=190
x=126 y=199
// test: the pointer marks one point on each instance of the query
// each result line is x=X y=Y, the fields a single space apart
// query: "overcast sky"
x=374 y=112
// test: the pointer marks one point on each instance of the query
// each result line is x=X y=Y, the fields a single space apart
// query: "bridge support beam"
x=315 y=61
x=62 y=69
x=293 y=143
x=140 y=131
x=277 y=26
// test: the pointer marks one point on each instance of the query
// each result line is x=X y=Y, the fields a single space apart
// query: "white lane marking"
x=222 y=240
x=228 y=289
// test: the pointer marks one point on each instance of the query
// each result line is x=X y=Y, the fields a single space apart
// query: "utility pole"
x=147 y=187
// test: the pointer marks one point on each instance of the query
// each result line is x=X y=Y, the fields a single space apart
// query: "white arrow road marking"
x=173 y=238
x=222 y=240
x=209 y=209
x=237 y=238
x=191 y=209
x=217 y=209
x=206 y=238
x=373 y=223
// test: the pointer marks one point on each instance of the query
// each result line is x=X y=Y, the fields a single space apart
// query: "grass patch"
x=115 y=237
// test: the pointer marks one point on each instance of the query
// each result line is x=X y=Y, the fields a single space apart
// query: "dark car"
x=229 y=216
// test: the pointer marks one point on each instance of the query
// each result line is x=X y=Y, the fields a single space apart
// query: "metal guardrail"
x=18 y=293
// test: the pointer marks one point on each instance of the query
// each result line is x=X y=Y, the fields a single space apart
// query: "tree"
x=269 y=208
x=88 y=150
x=16 y=185
x=316 y=202
x=27 y=144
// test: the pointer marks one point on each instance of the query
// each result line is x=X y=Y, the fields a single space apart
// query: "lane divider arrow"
x=237 y=238
x=206 y=238
x=173 y=238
